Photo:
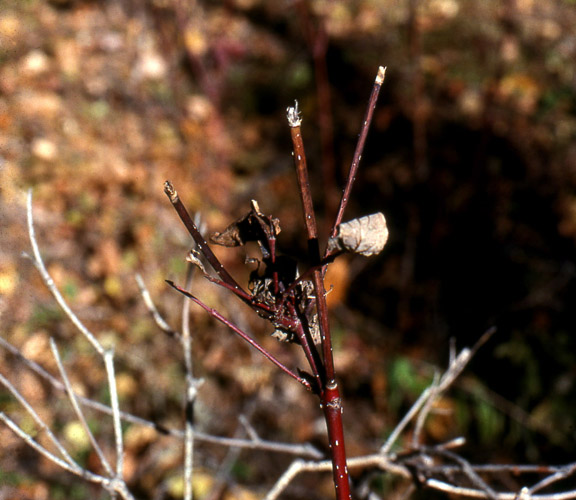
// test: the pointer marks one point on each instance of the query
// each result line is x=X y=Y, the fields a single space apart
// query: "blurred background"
x=471 y=157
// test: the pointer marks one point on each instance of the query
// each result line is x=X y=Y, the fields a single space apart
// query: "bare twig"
x=329 y=393
x=359 y=147
x=30 y=441
x=249 y=428
x=109 y=363
x=432 y=397
x=43 y=427
x=201 y=242
x=454 y=370
x=113 y=485
x=192 y=383
x=49 y=282
x=475 y=493
x=223 y=475
x=326 y=372
x=304 y=450
x=74 y=401
x=160 y=321
x=393 y=464
x=107 y=355
x=299 y=466
x=465 y=467
x=296 y=467
x=398 y=468
x=563 y=473
x=214 y=313
x=415 y=409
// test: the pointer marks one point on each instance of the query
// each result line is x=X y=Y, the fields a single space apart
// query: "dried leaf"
x=254 y=226
x=365 y=235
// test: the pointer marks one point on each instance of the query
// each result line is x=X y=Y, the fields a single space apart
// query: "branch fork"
x=296 y=305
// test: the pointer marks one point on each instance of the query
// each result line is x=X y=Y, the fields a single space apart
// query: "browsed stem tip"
x=170 y=191
x=381 y=74
x=293 y=115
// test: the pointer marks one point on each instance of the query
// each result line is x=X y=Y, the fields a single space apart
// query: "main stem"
x=331 y=401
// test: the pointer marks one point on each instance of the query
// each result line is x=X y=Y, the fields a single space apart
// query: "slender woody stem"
x=329 y=395
x=77 y=409
x=332 y=407
x=215 y=314
x=191 y=391
x=200 y=241
x=359 y=147
x=303 y=180
x=312 y=357
x=295 y=121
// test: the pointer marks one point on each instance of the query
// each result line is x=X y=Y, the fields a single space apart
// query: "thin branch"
x=296 y=467
x=96 y=405
x=295 y=121
x=43 y=427
x=299 y=466
x=426 y=409
x=304 y=450
x=388 y=464
x=39 y=264
x=200 y=241
x=515 y=469
x=114 y=402
x=563 y=473
x=249 y=428
x=214 y=313
x=436 y=389
x=222 y=476
x=78 y=410
x=191 y=391
x=160 y=321
x=191 y=382
x=30 y=441
x=110 y=484
x=474 y=493
x=107 y=355
x=359 y=147
x=395 y=434
x=466 y=468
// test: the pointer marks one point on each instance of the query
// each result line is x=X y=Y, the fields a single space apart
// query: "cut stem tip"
x=293 y=115
x=381 y=74
x=170 y=191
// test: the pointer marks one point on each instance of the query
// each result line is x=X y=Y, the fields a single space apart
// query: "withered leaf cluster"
x=254 y=226
x=276 y=286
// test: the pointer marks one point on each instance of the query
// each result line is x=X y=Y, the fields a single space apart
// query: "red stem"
x=201 y=242
x=311 y=354
x=304 y=187
x=359 y=147
x=331 y=400
x=215 y=314
x=261 y=309
x=332 y=406
x=317 y=39
x=329 y=395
